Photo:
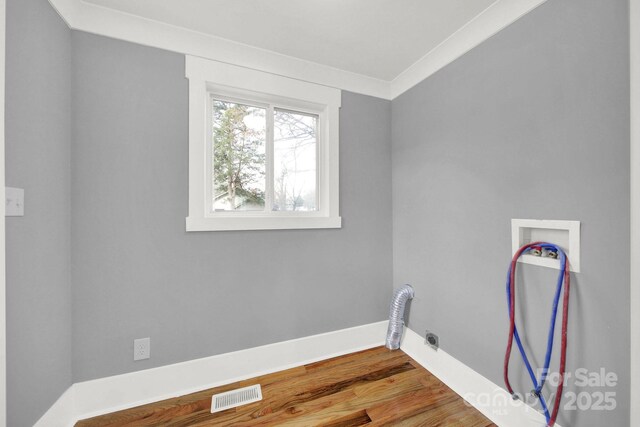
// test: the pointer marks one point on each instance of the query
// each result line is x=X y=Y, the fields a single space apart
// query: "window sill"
x=262 y=223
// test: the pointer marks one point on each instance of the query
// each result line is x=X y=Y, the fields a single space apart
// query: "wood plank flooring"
x=371 y=388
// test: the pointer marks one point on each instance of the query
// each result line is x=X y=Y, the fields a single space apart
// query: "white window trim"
x=634 y=35
x=3 y=306
x=207 y=77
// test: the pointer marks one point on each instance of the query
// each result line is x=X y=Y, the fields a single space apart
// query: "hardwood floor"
x=375 y=387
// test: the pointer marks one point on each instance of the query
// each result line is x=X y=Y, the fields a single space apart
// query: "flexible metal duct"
x=396 y=316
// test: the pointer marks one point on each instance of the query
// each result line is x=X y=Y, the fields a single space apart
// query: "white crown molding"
x=103 y=21
x=496 y=17
x=68 y=10
x=100 y=20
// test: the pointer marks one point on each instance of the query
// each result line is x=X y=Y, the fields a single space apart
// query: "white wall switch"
x=141 y=349
x=14 y=201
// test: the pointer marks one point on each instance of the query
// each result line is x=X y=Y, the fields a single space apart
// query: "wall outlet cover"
x=141 y=349
x=14 y=201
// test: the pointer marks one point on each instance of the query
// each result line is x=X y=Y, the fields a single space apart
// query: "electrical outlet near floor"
x=141 y=348
x=432 y=340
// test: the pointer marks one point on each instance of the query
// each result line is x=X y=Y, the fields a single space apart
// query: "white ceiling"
x=375 y=38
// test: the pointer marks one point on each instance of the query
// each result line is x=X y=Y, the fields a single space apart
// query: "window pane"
x=295 y=152
x=239 y=171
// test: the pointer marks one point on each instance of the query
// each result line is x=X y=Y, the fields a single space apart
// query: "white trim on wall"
x=103 y=21
x=634 y=33
x=525 y=231
x=212 y=78
x=108 y=22
x=487 y=397
x=67 y=9
x=105 y=395
x=3 y=309
x=492 y=20
x=63 y=411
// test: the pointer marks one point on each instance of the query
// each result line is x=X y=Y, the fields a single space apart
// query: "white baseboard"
x=91 y=398
x=105 y=395
x=490 y=399
x=62 y=413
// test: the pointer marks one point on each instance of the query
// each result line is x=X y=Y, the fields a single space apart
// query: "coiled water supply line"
x=563 y=279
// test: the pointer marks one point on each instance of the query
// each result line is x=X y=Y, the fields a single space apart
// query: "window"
x=241 y=168
x=263 y=150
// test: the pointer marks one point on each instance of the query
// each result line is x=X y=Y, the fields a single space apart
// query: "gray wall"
x=531 y=124
x=137 y=273
x=38 y=127
x=534 y=123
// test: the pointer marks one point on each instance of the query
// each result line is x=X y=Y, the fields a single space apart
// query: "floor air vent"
x=234 y=398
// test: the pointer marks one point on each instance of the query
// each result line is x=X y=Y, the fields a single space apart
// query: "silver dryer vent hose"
x=396 y=316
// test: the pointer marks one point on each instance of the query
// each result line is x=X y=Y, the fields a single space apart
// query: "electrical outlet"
x=14 y=203
x=432 y=340
x=141 y=349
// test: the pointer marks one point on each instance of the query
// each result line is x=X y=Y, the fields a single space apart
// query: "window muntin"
x=281 y=99
x=264 y=156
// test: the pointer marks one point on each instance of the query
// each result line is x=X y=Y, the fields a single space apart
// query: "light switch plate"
x=14 y=201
